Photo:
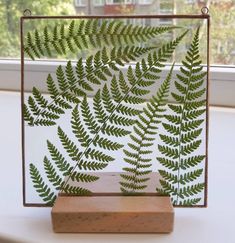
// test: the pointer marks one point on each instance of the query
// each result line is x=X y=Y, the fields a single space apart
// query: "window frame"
x=79 y=3
x=222 y=78
x=145 y=2
x=110 y=2
x=98 y=3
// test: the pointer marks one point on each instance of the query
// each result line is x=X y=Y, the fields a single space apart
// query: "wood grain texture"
x=113 y=214
x=108 y=211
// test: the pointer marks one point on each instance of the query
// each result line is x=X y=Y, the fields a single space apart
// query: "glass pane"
x=132 y=101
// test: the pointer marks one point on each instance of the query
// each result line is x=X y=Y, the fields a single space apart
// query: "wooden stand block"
x=113 y=214
x=108 y=211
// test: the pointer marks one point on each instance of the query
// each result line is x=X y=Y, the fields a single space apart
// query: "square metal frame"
x=204 y=16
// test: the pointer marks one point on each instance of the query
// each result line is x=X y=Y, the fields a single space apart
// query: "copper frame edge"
x=179 y=16
x=22 y=105
x=207 y=113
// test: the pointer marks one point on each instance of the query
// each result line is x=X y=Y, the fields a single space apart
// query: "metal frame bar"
x=204 y=16
x=163 y=16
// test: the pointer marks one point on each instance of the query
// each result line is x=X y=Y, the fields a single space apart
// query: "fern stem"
x=158 y=59
x=180 y=131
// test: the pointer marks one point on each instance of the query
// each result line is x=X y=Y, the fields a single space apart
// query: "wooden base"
x=113 y=214
x=107 y=210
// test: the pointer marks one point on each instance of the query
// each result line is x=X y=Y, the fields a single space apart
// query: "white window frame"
x=111 y=2
x=222 y=79
x=98 y=2
x=79 y=3
x=145 y=2
x=166 y=10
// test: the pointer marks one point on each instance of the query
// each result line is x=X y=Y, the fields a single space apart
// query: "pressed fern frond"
x=55 y=176
x=130 y=90
x=72 y=84
x=43 y=190
x=142 y=139
x=84 y=34
x=179 y=178
x=84 y=124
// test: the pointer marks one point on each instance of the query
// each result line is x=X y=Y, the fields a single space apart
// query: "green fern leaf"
x=127 y=110
x=170 y=140
x=168 y=151
x=136 y=178
x=106 y=143
x=64 y=167
x=167 y=188
x=69 y=145
x=28 y=116
x=191 y=125
x=44 y=122
x=33 y=106
x=84 y=34
x=59 y=159
x=191 y=190
x=79 y=191
x=191 y=161
x=52 y=175
x=114 y=131
x=168 y=163
x=88 y=117
x=168 y=176
x=190 y=136
x=81 y=177
x=190 y=176
x=185 y=126
x=91 y=165
x=43 y=190
x=189 y=202
x=78 y=129
x=97 y=155
x=123 y=121
x=190 y=147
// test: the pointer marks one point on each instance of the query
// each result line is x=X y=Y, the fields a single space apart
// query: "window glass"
x=222 y=19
